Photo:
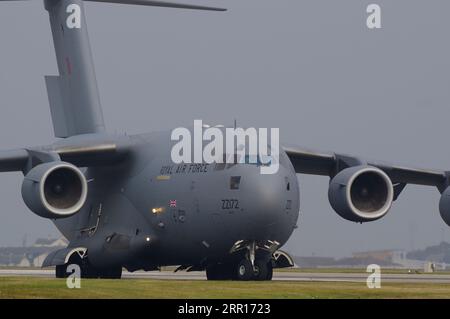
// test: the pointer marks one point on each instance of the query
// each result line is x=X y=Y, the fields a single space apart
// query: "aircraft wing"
x=13 y=160
x=329 y=164
x=81 y=152
x=93 y=154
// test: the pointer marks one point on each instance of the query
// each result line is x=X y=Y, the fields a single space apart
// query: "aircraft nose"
x=266 y=197
x=273 y=202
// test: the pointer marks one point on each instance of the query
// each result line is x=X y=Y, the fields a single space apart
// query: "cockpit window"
x=231 y=160
x=257 y=160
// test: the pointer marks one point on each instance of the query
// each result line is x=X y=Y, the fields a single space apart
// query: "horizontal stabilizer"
x=153 y=3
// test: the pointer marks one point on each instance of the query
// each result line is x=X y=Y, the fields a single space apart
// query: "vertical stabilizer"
x=73 y=95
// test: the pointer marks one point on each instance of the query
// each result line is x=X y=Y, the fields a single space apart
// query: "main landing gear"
x=87 y=270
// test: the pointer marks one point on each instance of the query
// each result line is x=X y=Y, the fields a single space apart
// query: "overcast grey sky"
x=311 y=68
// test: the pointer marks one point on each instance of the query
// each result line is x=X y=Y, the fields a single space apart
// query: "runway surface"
x=279 y=276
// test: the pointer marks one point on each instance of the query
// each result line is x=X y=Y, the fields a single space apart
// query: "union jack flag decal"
x=173 y=203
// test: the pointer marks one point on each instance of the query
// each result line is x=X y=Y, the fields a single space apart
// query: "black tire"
x=212 y=272
x=87 y=270
x=111 y=273
x=61 y=271
x=270 y=271
x=244 y=270
x=262 y=270
x=117 y=273
x=218 y=272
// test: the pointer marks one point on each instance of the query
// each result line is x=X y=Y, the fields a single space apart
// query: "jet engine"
x=444 y=206
x=54 y=190
x=361 y=193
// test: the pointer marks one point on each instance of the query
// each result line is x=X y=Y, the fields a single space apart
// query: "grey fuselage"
x=147 y=212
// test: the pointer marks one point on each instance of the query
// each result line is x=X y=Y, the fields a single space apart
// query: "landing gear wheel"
x=61 y=271
x=270 y=271
x=87 y=270
x=218 y=272
x=244 y=270
x=263 y=270
x=111 y=273
x=213 y=272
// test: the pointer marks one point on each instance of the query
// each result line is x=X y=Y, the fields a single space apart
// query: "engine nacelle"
x=54 y=190
x=444 y=206
x=361 y=193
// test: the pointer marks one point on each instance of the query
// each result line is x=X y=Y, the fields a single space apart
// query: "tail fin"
x=73 y=94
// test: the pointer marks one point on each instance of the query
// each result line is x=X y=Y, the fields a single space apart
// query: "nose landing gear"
x=244 y=270
x=254 y=267
x=263 y=270
x=241 y=270
x=249 y=262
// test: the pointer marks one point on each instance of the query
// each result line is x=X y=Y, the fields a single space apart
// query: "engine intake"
x=444 y=206
x=54 y=190
x=361 y=193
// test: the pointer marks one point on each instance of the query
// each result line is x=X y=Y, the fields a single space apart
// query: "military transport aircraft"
x=122 y=203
